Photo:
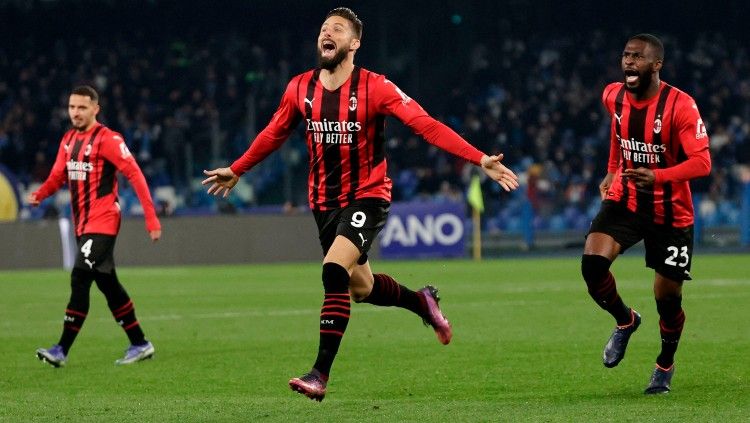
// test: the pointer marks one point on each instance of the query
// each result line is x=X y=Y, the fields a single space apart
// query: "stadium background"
x=189 y=85
x=189 y=82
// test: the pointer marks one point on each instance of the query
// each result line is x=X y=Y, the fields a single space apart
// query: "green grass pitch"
x=527 y=347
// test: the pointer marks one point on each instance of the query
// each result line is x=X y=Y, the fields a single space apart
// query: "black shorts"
x=96 y=253
x=360 y=222
x=669 y=250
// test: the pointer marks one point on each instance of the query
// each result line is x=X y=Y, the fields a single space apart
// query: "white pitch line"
x=228 y=315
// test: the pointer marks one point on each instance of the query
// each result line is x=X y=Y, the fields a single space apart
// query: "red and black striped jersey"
x=88 y=162
x=344 y=130
x=666 y=134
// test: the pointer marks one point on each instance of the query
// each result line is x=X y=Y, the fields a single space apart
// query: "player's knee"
x=594 y=268
x=112 y=289
x=335 y=278
x=80 y=284
x=80 y=279
x=359 y=292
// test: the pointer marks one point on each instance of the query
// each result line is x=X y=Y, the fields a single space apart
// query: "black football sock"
x=77 y=309
x=603 y=288
x=387 y=292
x=671 y=322
x=334 y=315
x=121 y=306
x=125 y=317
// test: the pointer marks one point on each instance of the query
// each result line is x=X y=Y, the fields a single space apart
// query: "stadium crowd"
x=188 y=100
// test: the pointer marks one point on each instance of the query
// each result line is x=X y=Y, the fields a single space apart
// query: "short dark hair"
x=87 y=91
x=349 y=15
x=653 y=41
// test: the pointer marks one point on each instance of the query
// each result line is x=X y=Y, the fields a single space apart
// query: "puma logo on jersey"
x=362 y=238
x=310 y=101
x=618 y=117
x=90 y=263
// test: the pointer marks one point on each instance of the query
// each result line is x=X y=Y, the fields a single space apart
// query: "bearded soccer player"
x=88 y=159
x=344 y=107
x=658 y=144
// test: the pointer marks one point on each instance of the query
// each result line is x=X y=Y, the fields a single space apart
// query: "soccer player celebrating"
x=658 y=144
x=343 y=107
x=89 y=156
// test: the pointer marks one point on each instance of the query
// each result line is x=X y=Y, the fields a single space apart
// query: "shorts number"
x=682 y=252
x=358 y=219
x=86 y=248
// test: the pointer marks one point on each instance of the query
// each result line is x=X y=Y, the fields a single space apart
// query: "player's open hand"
x=498 y=172
x=154 y=235
x=32 y=199
x=605 y=184
x=643 y=177
x=222 y=181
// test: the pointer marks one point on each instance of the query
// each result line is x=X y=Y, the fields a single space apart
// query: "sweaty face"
x=638 y=66
x=82 y=111
x=334 y=42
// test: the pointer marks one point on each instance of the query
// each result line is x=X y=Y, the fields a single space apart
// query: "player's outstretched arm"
x=222 y=181
x=498 y=172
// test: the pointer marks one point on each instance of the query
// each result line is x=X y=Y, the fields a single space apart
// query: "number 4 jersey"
x=88 y=162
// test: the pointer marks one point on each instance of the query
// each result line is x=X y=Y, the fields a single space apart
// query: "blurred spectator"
x=187 y=98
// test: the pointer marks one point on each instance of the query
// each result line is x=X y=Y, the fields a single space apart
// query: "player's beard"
x=644 y=81
x=331 y=63
x=81 y=126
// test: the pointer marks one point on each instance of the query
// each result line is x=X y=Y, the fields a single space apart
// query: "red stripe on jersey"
x=662 y=192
